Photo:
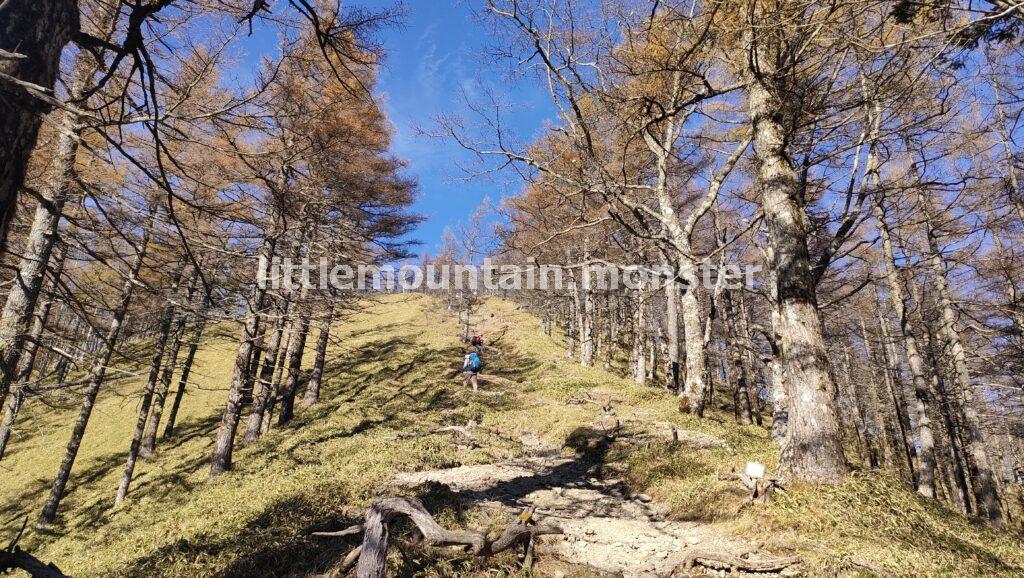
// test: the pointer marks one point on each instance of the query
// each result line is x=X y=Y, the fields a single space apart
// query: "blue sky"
x=436 y=57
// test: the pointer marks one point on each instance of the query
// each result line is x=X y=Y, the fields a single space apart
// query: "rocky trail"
x=607 y=530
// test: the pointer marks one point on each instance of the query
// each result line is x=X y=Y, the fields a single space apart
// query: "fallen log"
x=370 y=557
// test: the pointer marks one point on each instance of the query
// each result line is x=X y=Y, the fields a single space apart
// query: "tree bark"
x=639 y=329
x=890 y=424
x=693 y=390
x=813 y=450
x=296 y=348
x=186 y=368
x=926 y=439
x=277 y=382
x=984 y=485
x=164 y=331
x=224 y=445
x=27 y=360
x=312 y=395
x=262 y=401
x=957 y=461
x=171 y=363
x=739 y=368
x=373 y=553
x=37 y=30
x=672 y=377
x=96 y=375
x=776 y=371
x=24 y=291
x=586 y=318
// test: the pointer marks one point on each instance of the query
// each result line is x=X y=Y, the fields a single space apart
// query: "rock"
x=692 y=540
x=644 y=498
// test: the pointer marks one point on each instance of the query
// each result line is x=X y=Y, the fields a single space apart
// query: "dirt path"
x=607 y=529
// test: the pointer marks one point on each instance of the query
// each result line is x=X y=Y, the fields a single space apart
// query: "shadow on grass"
x=275 y=543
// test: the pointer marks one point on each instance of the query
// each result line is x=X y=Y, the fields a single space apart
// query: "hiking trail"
x=608 y=531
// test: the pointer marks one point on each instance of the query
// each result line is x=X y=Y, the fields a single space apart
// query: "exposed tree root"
x=370 y=558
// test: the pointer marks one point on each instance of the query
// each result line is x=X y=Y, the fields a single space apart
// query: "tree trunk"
x=262 y=400
x=747 y=347
x=610 y=325
x=576 y=335
x=37 y=31
x=1014 y=191
x=694 y=387
x=160 y=397
x=868 y=444
x=776 y=371
x=813 y=450
x=586 y=319
x=926 y=439
x=25 y=363
x=164 y=331
x=984 y=486
x=946 y=413
x=890 y=424
x=97 y=372
x=224 y=446
x=296 y=348
x=312 y=394
x=672 y=381
x=900 y=397
x=639 y=329
x=186 y=368
x=277 y=382
x=739 y=368
x=21 y=300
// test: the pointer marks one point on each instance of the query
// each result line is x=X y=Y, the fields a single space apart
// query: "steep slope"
x=590 y=450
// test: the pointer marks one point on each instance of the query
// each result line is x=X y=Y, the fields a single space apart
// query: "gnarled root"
x=370 y=558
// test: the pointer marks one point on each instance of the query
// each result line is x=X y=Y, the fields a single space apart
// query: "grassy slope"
x=391 y=371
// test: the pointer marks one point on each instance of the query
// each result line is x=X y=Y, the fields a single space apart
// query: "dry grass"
x=393 y=369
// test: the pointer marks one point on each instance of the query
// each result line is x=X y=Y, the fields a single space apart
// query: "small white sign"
x=754 y=470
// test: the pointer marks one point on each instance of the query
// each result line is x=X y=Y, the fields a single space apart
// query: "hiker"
x=478 y=343
x=471 y=368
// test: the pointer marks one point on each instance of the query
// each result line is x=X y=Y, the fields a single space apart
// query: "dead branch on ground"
x=370 y=557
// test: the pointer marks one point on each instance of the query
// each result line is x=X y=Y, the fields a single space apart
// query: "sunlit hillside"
x=393 y=373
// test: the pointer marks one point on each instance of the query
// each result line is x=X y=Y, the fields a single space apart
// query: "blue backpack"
x=474 y=362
